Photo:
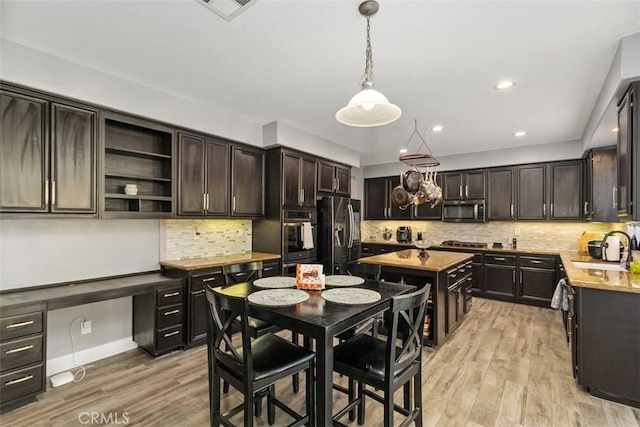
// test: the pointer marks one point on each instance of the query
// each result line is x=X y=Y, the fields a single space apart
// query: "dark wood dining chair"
x=254 y=367
x=387 y=365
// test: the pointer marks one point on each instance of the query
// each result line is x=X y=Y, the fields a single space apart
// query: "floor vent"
x=228 y=9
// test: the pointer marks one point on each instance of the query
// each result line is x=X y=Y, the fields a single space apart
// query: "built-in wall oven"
x=299 y=239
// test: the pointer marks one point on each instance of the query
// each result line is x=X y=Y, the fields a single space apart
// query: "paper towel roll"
x=612 y=251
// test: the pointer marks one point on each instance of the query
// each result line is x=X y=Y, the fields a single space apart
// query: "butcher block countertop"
x=217 y=261
x=608 y=280
x=408 y=258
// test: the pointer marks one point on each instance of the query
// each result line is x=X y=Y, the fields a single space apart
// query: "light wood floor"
x=508 y=365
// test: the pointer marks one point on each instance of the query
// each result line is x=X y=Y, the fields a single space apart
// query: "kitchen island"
x=603 y=327
x=451 y=278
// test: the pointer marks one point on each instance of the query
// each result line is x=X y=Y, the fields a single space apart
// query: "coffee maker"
x=403 y=234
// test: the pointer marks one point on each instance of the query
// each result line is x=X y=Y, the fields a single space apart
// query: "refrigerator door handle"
x=351 y=225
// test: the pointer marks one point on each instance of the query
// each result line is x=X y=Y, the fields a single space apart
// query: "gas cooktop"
x=464 y=244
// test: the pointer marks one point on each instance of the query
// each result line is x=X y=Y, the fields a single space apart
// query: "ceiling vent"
x=228 y=9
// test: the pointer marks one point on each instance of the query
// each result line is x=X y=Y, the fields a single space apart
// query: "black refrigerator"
x=338 y=232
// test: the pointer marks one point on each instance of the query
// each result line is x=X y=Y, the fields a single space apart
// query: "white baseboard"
x=89 y=355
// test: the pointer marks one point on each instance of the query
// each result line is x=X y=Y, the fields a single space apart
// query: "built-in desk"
x=23 y=325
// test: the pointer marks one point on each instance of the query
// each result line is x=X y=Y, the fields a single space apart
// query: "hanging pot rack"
x=419 y=159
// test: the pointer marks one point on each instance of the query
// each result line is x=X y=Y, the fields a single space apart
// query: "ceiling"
x=300 y=61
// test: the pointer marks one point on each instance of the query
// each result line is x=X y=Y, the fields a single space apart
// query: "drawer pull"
x=18 y=325
x=169 y=313
x=533 y=261
x=209 y=279
x=452 y=275
x=19 y=349
x=19 y=380
x=268 y=268
x=170 y=334
x=240 y=274
x=500 y=259
x=201 y=291
x=172 y=294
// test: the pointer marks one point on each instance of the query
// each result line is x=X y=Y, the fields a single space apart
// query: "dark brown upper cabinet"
x=203 y=176
x=334 y=178
x=466 y=185
x=298 y=180
x=600 y=183
x=247 y=182
x=138 y=152
x=47 y=156
x=532 y=192
x=628 y=156
x=377 y=199
x=501 y=194
x=566 y=190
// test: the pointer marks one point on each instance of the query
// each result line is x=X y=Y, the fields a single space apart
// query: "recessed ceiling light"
x=437 y=128
x=519 y=133
x=505 y=84
x=403 y=150
x=615 y=129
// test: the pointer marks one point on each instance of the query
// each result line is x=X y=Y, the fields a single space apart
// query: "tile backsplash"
x=194 y=238
x=531 y=235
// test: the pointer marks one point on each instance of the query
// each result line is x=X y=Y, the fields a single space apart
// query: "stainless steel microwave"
x=463 y=211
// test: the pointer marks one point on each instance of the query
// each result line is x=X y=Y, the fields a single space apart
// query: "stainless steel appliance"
x=403 y=234
x=299 y=236
x=338 y=232
x=463 y=211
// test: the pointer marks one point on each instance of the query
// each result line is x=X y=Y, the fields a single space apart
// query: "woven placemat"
x=351 y=296
x=278 y=297
x=343 y=280
x=277 y=282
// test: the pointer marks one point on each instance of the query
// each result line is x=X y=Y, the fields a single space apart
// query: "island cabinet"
x=605 y=339
x=600 y=185
x=22 y=355
x=47 y=154
x=334 y=178
x=466 y=185
x=138 y=152
x=450 y=275
x=203 y=176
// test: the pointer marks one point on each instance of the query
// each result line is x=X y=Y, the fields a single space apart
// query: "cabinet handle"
x=240 y=274
x=511 y=210
x=268 y=268
x=461 y=191
x=18 y=325
x=302 y=191
x=337 y=184
x=513 y=276
x=172 y=294
x=535 y=261
x=169 y=313
x=551 y=209
x=466 y=191
x=209 y=279
x=19 y=349
x=500 y=259
x=521 y=277
x=53 y=193
x=204 y=201
x=613 y=197
x=201 y=291
x=208 y=204
x=233 y=204
x=46 y=192
x=171 y=334
x=586 y=208
x=19 y=380
x=452 y=275
x=544 y=209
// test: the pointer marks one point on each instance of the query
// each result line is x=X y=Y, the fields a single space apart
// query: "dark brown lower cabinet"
x=607 y=344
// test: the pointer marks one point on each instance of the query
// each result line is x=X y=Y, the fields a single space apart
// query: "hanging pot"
x=412 y=180
x=400 y=197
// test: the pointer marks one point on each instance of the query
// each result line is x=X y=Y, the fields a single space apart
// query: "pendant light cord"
x=368 y=67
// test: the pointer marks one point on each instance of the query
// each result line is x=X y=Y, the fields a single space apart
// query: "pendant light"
x=368 y=108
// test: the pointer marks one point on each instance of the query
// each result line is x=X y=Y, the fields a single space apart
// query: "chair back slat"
x=245 y=272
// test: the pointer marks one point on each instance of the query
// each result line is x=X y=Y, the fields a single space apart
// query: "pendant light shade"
x=368 y=108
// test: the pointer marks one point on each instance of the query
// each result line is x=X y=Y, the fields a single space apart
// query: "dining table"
x=320 y=319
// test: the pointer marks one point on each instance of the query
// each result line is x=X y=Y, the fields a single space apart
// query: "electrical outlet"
x=85 y=327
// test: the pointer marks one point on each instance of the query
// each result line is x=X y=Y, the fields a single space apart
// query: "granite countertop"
x=408 y=258
x=609 y=280
x=466 y=248
x=217 y=261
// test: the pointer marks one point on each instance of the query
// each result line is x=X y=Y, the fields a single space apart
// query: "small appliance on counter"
x=403 y=234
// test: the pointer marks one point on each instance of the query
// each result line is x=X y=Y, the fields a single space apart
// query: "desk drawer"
x=169 y=295
x=20 y=352
x=212 y=279
x=500 y=259
x=169 y=338
x=538 y=262
x=20 y=325
x=168 y=316
x=20 y=383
